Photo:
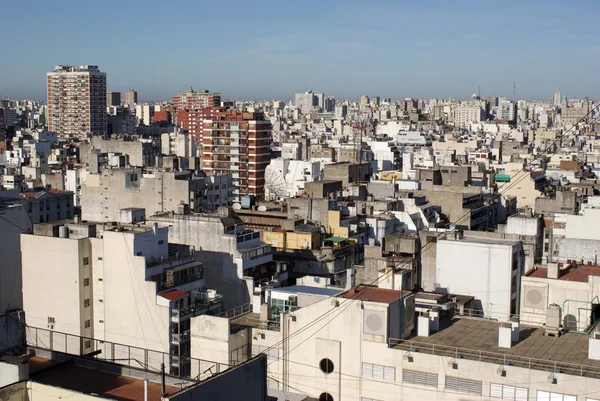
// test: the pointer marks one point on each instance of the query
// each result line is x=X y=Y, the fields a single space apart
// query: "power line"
x=385 y=275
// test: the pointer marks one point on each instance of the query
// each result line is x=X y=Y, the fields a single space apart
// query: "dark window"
x=86 y=303
x=88 y=343
x=326 y=365
x=161 y=242
x=86 y=282
x=86 y=261
x=87 y=324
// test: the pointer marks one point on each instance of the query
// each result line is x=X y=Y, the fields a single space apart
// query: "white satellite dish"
x=236 y=206
x=262 y=208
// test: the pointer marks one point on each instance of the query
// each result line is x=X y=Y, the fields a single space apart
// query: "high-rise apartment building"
x=113 y=98
x=238 y=143
x=507 y=111
x=306 y=101
x=191 y=100
x=193 y=120
x=364 y=100
x=77 y=100
x=329 y=104
x=131 y=98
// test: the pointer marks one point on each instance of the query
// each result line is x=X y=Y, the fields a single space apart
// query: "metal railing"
x=165 y=285
x=495 y=358
x=133 y=357
x=237 y=311
x=189 y=254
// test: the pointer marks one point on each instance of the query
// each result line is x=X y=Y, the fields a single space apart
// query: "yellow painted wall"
x=333 y=222
x=274 y=238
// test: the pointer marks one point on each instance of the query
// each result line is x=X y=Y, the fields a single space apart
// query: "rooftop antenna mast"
x=514 y=91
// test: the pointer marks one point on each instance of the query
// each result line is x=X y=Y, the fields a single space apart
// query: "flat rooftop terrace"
x=477 y=339
x=83 y=380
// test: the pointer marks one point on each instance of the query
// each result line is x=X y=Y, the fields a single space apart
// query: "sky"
x=263 y=49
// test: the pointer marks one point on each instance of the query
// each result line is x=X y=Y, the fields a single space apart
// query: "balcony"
x=178 y=338
x=175 y=259
x=199 y=304
x=181 y=276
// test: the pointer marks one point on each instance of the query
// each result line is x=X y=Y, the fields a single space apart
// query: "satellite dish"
x=236 y=206
x=262 y=208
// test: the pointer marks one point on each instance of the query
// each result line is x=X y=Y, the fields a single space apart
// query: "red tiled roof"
x=374 y=294
x=173 y=295
x=578 y=273
x=23 y=195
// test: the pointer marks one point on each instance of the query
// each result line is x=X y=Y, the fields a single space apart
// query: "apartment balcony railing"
x=200 y=303
x=178 y=256
x=178 y=338
x=165 y=285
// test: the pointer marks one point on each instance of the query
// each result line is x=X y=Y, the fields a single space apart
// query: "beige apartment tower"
x=77 y=100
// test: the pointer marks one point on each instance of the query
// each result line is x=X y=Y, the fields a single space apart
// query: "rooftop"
x=23 y=195
x=304 y=289
x=173 y=295
x=69 y=376
x=373 y=294
x=571 y=273
x=477 y=339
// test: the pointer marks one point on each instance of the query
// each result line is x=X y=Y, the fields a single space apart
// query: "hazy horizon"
x=273 y=49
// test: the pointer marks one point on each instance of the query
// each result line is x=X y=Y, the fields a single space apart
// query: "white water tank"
x=63 y=232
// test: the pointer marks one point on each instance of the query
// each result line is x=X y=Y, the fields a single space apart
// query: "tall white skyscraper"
x=557 y=98
x=306 y=101
x=507 y=111
x=77 y=100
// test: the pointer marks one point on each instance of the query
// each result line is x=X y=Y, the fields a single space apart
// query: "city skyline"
x=276 y=50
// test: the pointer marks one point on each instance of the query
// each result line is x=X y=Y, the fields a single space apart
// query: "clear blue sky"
x=260 y=49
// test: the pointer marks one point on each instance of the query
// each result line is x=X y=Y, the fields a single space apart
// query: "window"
x=100 y=321
x=326 y=365
x=101 y=300
x=51 y=320
x=86 y=261
x=420 y=378
x=139 y=254
x=86 y=282
x=99 y=257
x=508 y=392
x=88 y=343
x=325 y=397
x=547 y=396
x=87 y=324
x=464 y=385
x=378 y=371
x=161 y=242
x=100 y=279
x=86 y=303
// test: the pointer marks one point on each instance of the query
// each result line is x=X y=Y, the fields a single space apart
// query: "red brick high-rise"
x=238 y=143
x=191 y=100
x=193 y=120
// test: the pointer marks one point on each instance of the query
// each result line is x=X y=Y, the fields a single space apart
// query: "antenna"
x=514 y=91
x=479 y=92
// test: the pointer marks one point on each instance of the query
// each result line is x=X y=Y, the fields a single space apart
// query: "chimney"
x=553 y=270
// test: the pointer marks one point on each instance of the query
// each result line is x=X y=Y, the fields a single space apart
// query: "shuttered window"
x=420 y=378
x=464 y=385
x=508 y=392
x=547 y=396
x=378 y=372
